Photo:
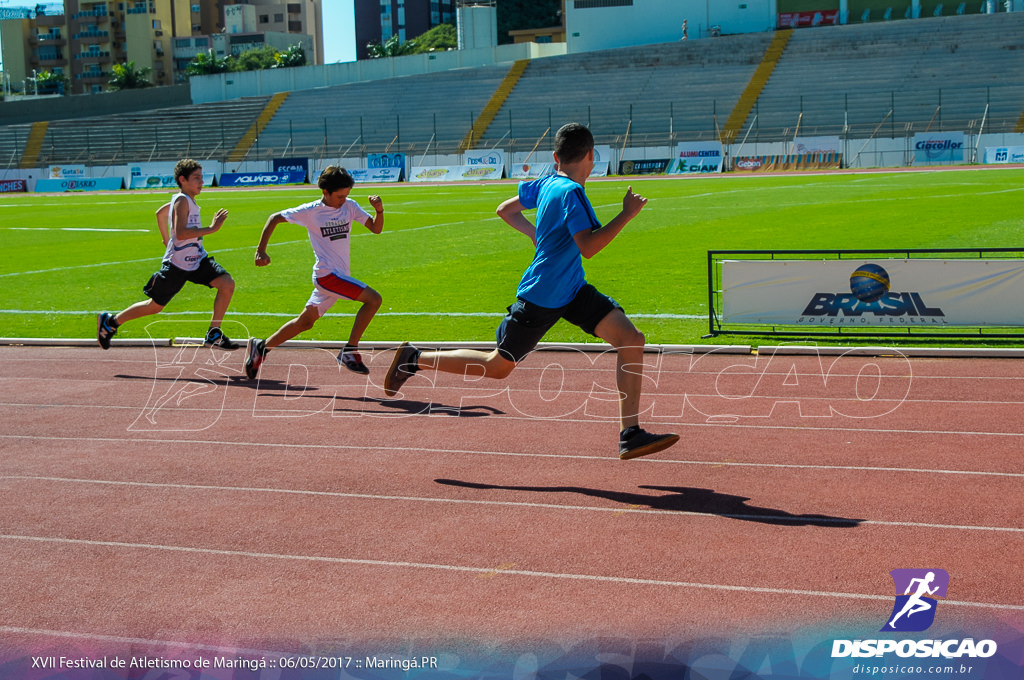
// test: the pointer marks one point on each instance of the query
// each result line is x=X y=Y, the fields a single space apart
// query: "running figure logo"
x=916 y=590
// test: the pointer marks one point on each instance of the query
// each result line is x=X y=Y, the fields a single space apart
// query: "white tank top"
x=188 y=253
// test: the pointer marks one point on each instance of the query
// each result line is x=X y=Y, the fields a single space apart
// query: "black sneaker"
x=351 y=359
x=255 y=353
x=106 y=328
x=215 y=338
x=403 y=366
x=644 y=443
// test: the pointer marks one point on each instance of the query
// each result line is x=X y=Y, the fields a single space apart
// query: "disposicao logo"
x=916 y=590
x=914 y=610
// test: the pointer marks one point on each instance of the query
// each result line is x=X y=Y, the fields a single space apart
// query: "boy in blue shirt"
x=554 y=287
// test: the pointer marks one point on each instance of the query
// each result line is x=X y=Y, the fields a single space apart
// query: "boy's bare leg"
x=137 y=311
x=300 y=324
x=468 y=362
x=225 y=287
x=619 y=332
x=371 y=303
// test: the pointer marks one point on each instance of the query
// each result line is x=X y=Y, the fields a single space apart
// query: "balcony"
x=92 y=36
x=101 y=55
x=93 y=75
x=98 y=12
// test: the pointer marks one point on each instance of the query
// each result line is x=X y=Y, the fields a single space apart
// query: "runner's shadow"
x=683 y=499
x=413 y=408
x=225 y=381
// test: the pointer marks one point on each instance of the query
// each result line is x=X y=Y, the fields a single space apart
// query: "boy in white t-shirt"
x=185 y=260
x=329 y=223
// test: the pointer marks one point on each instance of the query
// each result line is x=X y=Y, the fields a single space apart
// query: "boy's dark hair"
x=572 y=142
x=335 y=177
x=184 y=168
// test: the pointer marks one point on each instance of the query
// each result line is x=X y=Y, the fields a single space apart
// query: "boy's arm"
x=591 y=242
x=262 y=259
x=511 y=211
x=376 y=224
x=162 y=219
x=179 y=222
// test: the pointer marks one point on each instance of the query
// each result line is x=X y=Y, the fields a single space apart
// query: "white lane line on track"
x=513 y=454
x=227 y=651
x=512 y=504
x=618 y=580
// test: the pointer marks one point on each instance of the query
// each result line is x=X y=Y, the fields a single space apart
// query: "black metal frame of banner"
x=716 y=326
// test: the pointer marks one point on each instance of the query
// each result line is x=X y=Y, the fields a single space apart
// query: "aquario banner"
x=255 y=179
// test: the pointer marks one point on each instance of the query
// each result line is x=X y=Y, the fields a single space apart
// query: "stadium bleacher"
x=893 y=78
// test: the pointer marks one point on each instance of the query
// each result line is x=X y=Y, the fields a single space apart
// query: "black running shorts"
x=166 y=283
x=526 y=323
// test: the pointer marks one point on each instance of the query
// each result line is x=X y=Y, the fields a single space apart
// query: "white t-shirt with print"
x=329 y=232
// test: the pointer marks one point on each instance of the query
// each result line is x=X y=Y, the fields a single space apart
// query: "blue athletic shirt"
x=556 y=273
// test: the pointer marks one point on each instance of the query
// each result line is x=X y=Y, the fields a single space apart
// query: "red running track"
x=156 y=497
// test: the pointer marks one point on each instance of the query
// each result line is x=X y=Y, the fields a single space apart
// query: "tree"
x=293 y=56
x=205 y=63
x=127 y=77
x=438 y=39
x=392 y=48
x=256 y=59
x=48 y=82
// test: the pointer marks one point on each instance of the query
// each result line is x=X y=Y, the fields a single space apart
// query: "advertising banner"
x=159 y=175
x=880 y=293
x=386 y=160
x=66 y=172
x=694 y=158
x=644 y=167
x=531 y=170
x=535 y=170
x=938 y=147
x=825 y=17
x=454 y=173
x=817 y=145
x=8 y=186
x=485 y=158
x=87 y=184
x=778 y=162
x=255 y=179
x=364 y=175
x=292 y=165
x=1004 y=154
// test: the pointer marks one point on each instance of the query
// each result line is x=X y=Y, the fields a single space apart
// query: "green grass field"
x=447 y=266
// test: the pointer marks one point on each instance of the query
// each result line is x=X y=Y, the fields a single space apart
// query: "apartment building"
x=85 y=42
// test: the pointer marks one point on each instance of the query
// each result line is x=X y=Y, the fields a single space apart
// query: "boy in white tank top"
x=184 y=260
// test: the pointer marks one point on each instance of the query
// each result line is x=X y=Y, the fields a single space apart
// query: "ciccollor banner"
x=255 y=179
x=694 y=158
x=938 y=147
x=1004 y=154
x=889 y=293
x=86 y=184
